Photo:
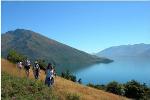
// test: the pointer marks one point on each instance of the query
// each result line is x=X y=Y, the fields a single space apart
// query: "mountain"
x=36 y=46
x=136 y=50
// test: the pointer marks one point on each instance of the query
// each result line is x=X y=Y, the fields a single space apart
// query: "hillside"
x=136 y=50
x=84 y=92
x=36 y=46
x=16 y=88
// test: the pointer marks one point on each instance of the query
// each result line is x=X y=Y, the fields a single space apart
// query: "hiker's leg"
x=19 y=70
x=53 y=80
x=49 y=82
x=45 y=81
x=36 y=74
x=28 y=73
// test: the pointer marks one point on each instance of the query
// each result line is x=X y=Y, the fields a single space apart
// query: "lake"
x=121 y=70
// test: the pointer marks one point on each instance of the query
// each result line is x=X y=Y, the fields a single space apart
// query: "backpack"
x=36 y=67
x=27 y=63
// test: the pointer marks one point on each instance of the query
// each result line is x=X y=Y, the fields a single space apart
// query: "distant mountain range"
x=136 y=50
x=36 y=46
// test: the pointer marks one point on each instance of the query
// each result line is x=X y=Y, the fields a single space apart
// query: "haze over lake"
x=121 y=70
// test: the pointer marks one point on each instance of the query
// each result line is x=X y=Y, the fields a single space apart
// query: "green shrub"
x=100 y=87
x=146 y=92
x=134 y=89
x=115 y=87
x=67 y=75
x=131 y=89
x=14 y=57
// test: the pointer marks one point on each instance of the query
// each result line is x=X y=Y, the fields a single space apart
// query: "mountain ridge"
x=36 y=46
x=135 y=50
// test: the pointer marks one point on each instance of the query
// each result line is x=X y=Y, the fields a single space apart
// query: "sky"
x=87 y=26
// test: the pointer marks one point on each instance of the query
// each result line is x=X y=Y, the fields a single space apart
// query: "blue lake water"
x=121 y=70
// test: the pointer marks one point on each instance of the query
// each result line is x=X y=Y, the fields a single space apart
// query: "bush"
x=67 y=75
x=115 y=87
x=73 y=78
x=14 y=57
x=134 y=89
x=100 y=87
x=146 y=92
x=131 y=89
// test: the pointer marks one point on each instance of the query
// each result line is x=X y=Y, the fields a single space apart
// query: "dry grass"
x=62 y=86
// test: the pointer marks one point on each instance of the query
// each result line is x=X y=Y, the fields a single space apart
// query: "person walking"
x=19 y=66
x=36 y=70
x=53 y=75
x=27 y=67
x=49 y=75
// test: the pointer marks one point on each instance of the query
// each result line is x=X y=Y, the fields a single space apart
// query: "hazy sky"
x=87 y=26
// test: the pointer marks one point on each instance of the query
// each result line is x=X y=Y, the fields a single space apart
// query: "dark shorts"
x=27 y=68
x=48 y=81
x=52 y=80
x=37 y=72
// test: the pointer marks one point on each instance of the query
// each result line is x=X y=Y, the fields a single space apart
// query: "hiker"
x=19 y=66
x=27 y=67
x=49 y=75
x=36 y=70
x=53 y=75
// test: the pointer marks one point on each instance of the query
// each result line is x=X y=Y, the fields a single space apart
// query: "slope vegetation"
x=63 y=87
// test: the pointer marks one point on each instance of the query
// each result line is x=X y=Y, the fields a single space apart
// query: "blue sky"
x=87 y=26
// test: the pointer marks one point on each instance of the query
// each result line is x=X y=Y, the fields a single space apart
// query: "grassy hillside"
x=62 y=89
x=21 y=88
x=36 y=46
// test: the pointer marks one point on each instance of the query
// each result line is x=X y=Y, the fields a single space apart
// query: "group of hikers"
x=50 y=71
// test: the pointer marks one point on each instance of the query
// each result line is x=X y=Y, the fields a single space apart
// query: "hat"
x=36 y=62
